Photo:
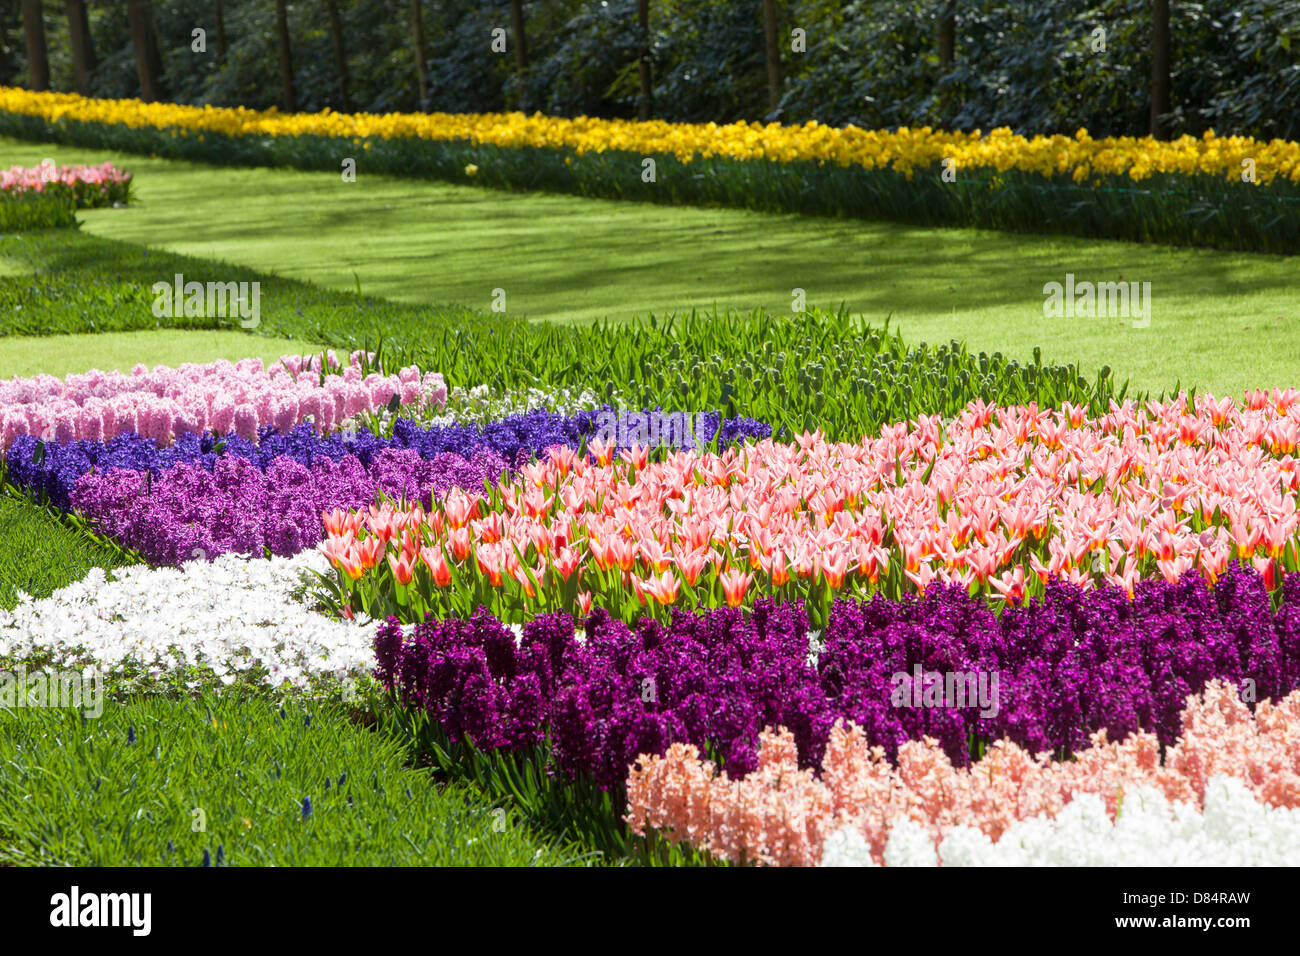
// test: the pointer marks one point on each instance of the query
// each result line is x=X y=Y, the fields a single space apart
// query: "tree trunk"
x=6 y=58
x=772 y=45
x=286 y=56
x=148 y=63
x=219 y=17
x=340 y=54
x=83 y=50
x=643 y=106
x=947 y=39
x=521 y=48
x=38 y=59
x=1160 y=43
x=155 y=56
x=417 y=40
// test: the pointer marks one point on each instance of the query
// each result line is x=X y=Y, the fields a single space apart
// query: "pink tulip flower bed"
x=88 y=186
x=1000 y=500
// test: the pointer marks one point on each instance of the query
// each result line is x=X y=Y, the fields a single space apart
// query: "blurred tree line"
x=1113 y=66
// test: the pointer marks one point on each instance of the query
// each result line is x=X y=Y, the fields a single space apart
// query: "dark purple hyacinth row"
x=1068 y=665
x=190 y=512
x=52 y=470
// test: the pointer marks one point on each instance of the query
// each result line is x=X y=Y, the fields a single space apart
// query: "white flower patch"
x=1234 y=830
x=230 y=614
x=816 y=644
x=480 y=404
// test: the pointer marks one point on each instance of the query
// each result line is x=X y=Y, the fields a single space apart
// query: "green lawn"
x=121 y=351
x=234 y=780
x=39 y=554
x=1220 y=321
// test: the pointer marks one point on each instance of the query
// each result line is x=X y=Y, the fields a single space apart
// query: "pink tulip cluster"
x=222 y=396
x=782 y=815
x=19 y=179
x=999 y=499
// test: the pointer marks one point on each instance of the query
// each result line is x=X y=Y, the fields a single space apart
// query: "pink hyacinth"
x=15 y=424
x=125 y=415
x=162 y=418
x=65 y=428
x=356 y=399
x=38 y=421
x=223 y=416
x=436 y=389
x=107 y=416
x=325 y=420
x=309 y=407
x=381 y=391
x=188 y=420
x=164 y=402
x=246 y=422
x=90 y=427
x=284 y=412
x=340 y=405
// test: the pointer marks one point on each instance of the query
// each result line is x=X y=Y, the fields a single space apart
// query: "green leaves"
x=816 y=370
x=31 y=211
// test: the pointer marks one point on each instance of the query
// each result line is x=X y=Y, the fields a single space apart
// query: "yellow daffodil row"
x=1082 y=157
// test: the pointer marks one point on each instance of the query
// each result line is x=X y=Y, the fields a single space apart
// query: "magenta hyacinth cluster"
x=1068 y=665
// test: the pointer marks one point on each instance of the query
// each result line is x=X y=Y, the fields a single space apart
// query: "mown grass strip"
x=809 y=371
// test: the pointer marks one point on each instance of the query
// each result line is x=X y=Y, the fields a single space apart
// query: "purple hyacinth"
x=1068 y=664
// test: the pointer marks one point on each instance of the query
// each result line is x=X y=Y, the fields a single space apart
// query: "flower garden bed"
x=48 y=196
x=727 y=644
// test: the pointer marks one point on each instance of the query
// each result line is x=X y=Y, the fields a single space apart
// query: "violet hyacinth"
x=188 y=511
x=51 y=469
x=1069 y=664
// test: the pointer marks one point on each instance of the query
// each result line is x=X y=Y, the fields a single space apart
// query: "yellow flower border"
x=905 y=150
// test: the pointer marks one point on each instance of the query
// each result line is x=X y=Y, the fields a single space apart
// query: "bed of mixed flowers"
x=746 y=642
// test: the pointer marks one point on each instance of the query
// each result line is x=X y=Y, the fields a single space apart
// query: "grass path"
x=1220 y=321
x=121 y=351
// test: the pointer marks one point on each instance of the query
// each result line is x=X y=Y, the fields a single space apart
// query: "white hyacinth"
x=230 y=614
x=1233 y=830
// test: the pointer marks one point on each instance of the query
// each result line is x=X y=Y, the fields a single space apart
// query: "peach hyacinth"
x=782 y=815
